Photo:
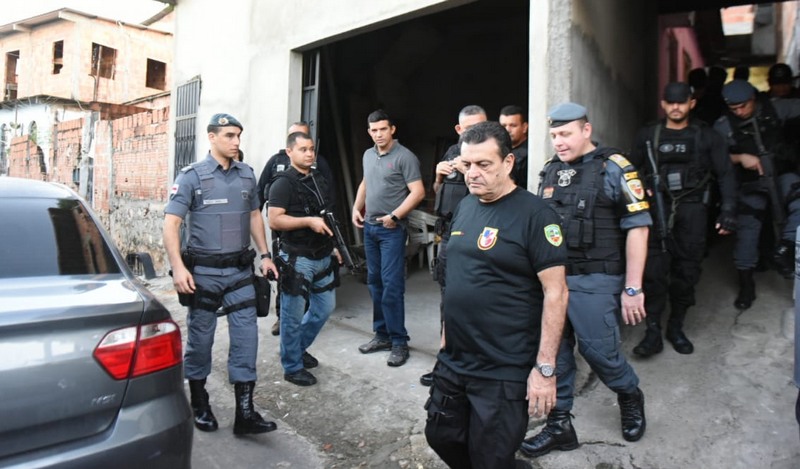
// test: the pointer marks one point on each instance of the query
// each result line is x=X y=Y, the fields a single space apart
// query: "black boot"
x=747 y=289
x=631 y=409
x=556 y=434
x=204 y=420
x=783 y=258
x=651 y=344
x=675 y=333
x=248 y=421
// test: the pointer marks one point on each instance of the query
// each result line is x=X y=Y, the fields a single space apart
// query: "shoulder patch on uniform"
x=553 y=234
x=636 y=188
x=620 y=160
x=174 y=189
x=638 y=207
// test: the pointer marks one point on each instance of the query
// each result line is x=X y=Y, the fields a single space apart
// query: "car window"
x=40 y=237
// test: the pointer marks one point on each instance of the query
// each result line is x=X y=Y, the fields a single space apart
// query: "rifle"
x=338 y=240
x=767 y=181
x=330 y=220
x=658 y=198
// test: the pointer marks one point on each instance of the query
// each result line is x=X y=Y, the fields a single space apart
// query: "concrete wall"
x=134 y=46
x=595 y=54
x=255 y=72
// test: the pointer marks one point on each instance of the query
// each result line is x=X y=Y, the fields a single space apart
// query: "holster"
x=185 y=299
x=263 y=292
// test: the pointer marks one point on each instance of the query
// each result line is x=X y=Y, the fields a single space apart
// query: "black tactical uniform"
x=689 y=162
x=754 y=203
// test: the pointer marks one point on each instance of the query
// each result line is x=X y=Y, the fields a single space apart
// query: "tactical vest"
x=770 y=128
x=589 y=217
x=219 y=219
x=453 y=189
x=683 y=173
x=306 y=242
x=281 y=164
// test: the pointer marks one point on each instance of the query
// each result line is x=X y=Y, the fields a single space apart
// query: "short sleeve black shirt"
x=493 y=300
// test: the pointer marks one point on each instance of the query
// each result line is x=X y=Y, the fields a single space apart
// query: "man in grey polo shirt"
x=390 y=190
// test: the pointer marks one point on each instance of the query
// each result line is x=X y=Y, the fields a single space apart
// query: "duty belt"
x=311 y=253
x=220 y=261
x=596 y=267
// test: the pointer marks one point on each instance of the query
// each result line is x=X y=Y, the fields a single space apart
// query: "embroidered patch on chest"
x=487 y=238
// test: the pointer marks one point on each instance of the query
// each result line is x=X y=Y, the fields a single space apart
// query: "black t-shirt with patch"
x=493 y=300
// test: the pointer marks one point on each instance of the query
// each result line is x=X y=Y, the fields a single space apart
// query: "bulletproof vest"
x=282 y=163
x=589 y=219
x=680 y=164
x=771 y=131
x=453 y=188
x=312 y=199
x=220 y=212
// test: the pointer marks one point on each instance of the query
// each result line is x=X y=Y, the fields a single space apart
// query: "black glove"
x=727 y=220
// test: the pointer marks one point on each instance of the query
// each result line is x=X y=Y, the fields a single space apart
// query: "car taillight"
x=137 y=351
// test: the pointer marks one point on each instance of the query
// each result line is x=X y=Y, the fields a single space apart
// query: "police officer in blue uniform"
x=450 y=187
x=604 y=213
x=686 y=158
x=217 y=197
x=753 y=131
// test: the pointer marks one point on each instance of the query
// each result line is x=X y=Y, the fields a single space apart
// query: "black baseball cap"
x=677 y=92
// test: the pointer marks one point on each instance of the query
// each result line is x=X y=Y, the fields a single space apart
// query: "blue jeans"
x=385 y=249
x=299 y=328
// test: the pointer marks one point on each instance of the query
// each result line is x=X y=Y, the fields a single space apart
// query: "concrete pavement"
x=728 y=405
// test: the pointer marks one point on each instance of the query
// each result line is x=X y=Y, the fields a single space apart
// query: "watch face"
x=630 y=291
x=546 y=370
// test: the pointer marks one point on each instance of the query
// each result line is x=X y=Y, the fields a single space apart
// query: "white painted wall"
x=248 y=54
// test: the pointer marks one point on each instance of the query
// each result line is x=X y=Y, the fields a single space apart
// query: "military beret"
x=565 y=113
x=737 y=92
x=779 y=73
x=677 y=92
x=222 y=120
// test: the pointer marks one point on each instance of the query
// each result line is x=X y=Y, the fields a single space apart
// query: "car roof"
x=12 y=187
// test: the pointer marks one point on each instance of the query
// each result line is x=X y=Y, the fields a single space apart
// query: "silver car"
x=90 y=361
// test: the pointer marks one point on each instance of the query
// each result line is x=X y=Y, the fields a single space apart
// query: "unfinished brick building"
x=85 y=102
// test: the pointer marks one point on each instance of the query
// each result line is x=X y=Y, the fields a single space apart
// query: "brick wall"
x=130 y=172
x=138 y=181
x=25 y=158
x=66 y=151
x=76 y=33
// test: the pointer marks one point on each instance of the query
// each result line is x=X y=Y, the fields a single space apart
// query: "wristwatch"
x=545 y=369
x=266 y=256
x=632 y=291
x=394 y=218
